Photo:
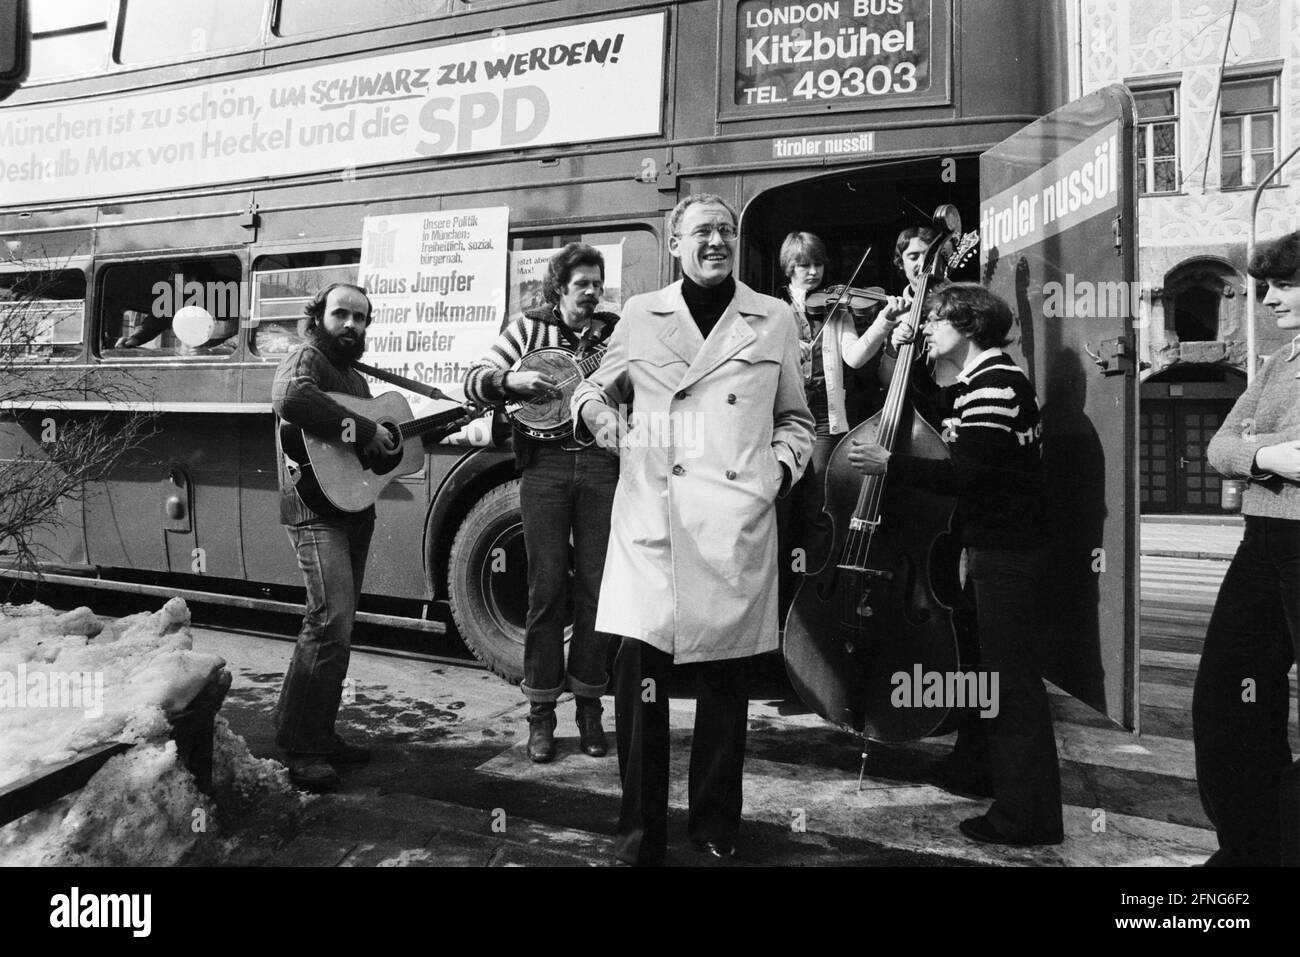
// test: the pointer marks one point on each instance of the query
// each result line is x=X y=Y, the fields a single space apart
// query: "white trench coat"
x=692 y=561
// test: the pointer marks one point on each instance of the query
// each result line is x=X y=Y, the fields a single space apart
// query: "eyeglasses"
x=702 y=234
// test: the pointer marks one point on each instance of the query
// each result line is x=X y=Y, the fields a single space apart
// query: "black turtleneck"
x=708 y=303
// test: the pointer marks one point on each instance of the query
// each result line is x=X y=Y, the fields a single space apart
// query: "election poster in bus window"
x=437 y=291
x=528 y=269
x=837 y=52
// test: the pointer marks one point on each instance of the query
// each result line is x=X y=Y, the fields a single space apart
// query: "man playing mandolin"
x=566 y=490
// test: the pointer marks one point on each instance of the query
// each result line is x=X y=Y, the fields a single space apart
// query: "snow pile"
x=141 y=808
x=68 y=685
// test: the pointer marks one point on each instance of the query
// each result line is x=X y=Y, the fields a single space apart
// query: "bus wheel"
x=487 y=581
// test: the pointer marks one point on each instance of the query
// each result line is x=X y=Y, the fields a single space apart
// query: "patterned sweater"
x=538 y=328
x=298 y=397
x=995 y=470
x=1267 y=413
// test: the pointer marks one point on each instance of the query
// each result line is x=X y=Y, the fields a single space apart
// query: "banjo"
x=548 y=418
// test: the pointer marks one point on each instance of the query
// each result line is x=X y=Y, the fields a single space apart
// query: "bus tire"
x=487 y=581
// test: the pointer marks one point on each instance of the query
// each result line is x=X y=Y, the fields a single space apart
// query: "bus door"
x=166 y=333
x=1059 y=243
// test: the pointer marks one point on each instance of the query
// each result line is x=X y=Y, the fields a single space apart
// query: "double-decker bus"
x=238 y=156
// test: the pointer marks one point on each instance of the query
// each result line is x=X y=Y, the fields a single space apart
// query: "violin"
x=859 y=301
x=873 y=606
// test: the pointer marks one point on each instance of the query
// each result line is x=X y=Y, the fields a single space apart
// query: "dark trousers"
x=1241 y=703
x=641 y=675
x=332 y=558
x=1015 y=752
x=565 y=494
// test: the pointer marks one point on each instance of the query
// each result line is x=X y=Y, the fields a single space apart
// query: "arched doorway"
x=1181 y=409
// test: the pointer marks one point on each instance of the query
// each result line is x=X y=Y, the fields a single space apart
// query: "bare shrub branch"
x=63 y=450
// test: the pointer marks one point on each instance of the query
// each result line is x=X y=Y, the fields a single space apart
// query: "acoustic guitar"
x=334 y=474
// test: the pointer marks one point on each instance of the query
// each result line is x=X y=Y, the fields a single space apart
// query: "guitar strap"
x=419 y=388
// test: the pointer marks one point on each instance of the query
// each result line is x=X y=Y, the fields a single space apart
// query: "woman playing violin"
x=803 y=260
x=995 y=472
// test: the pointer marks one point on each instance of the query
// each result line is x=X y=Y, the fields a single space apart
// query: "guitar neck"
x=428 y=423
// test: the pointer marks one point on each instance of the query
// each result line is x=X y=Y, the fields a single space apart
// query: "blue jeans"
x=565 y=493
x=1242 y=699
x=332 y=558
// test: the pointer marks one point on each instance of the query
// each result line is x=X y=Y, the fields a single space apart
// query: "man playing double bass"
x=566 y=490
x=995 y=472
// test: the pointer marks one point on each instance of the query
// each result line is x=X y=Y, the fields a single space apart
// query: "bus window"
x=283 y=284
x=13 y=43
x=68 y=38
x=631 y=265
x=41 y=314
x=305 y=16
x=155 y=30
x=170 y=307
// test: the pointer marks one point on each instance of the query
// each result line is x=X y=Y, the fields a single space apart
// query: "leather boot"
x=541 y=731
x=591 y=736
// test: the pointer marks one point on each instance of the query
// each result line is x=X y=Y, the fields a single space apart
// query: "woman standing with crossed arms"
x=1249 y=787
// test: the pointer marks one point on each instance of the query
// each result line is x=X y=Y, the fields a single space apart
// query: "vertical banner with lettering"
x=437 y=282
x=796 y=57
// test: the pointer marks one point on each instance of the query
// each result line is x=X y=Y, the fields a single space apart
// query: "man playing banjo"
x=565 y=490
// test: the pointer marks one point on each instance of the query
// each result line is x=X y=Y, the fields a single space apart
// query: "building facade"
x=1210 y=128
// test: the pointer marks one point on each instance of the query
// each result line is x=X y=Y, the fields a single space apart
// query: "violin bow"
x=840 y=298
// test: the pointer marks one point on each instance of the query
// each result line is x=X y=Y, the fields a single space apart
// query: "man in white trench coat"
x=720 y=428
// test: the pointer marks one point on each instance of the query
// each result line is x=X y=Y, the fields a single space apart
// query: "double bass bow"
x=869 y=610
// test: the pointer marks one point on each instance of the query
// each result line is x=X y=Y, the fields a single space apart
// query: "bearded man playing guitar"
x=566 y=490
x=332 y=545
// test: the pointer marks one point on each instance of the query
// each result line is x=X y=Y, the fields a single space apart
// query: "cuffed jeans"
x=641 y=674
x=332 y=558
x=565 y=493
x=1242 y=700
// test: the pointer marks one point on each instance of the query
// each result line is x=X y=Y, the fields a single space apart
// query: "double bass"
x=871 y=608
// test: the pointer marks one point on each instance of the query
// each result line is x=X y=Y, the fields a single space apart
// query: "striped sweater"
x=994 y=431
x=1267 y=413
x=540 y=328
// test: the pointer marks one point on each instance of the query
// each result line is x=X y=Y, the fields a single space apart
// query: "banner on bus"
x=577 y=83
x=811 y=56
x=437 y=291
